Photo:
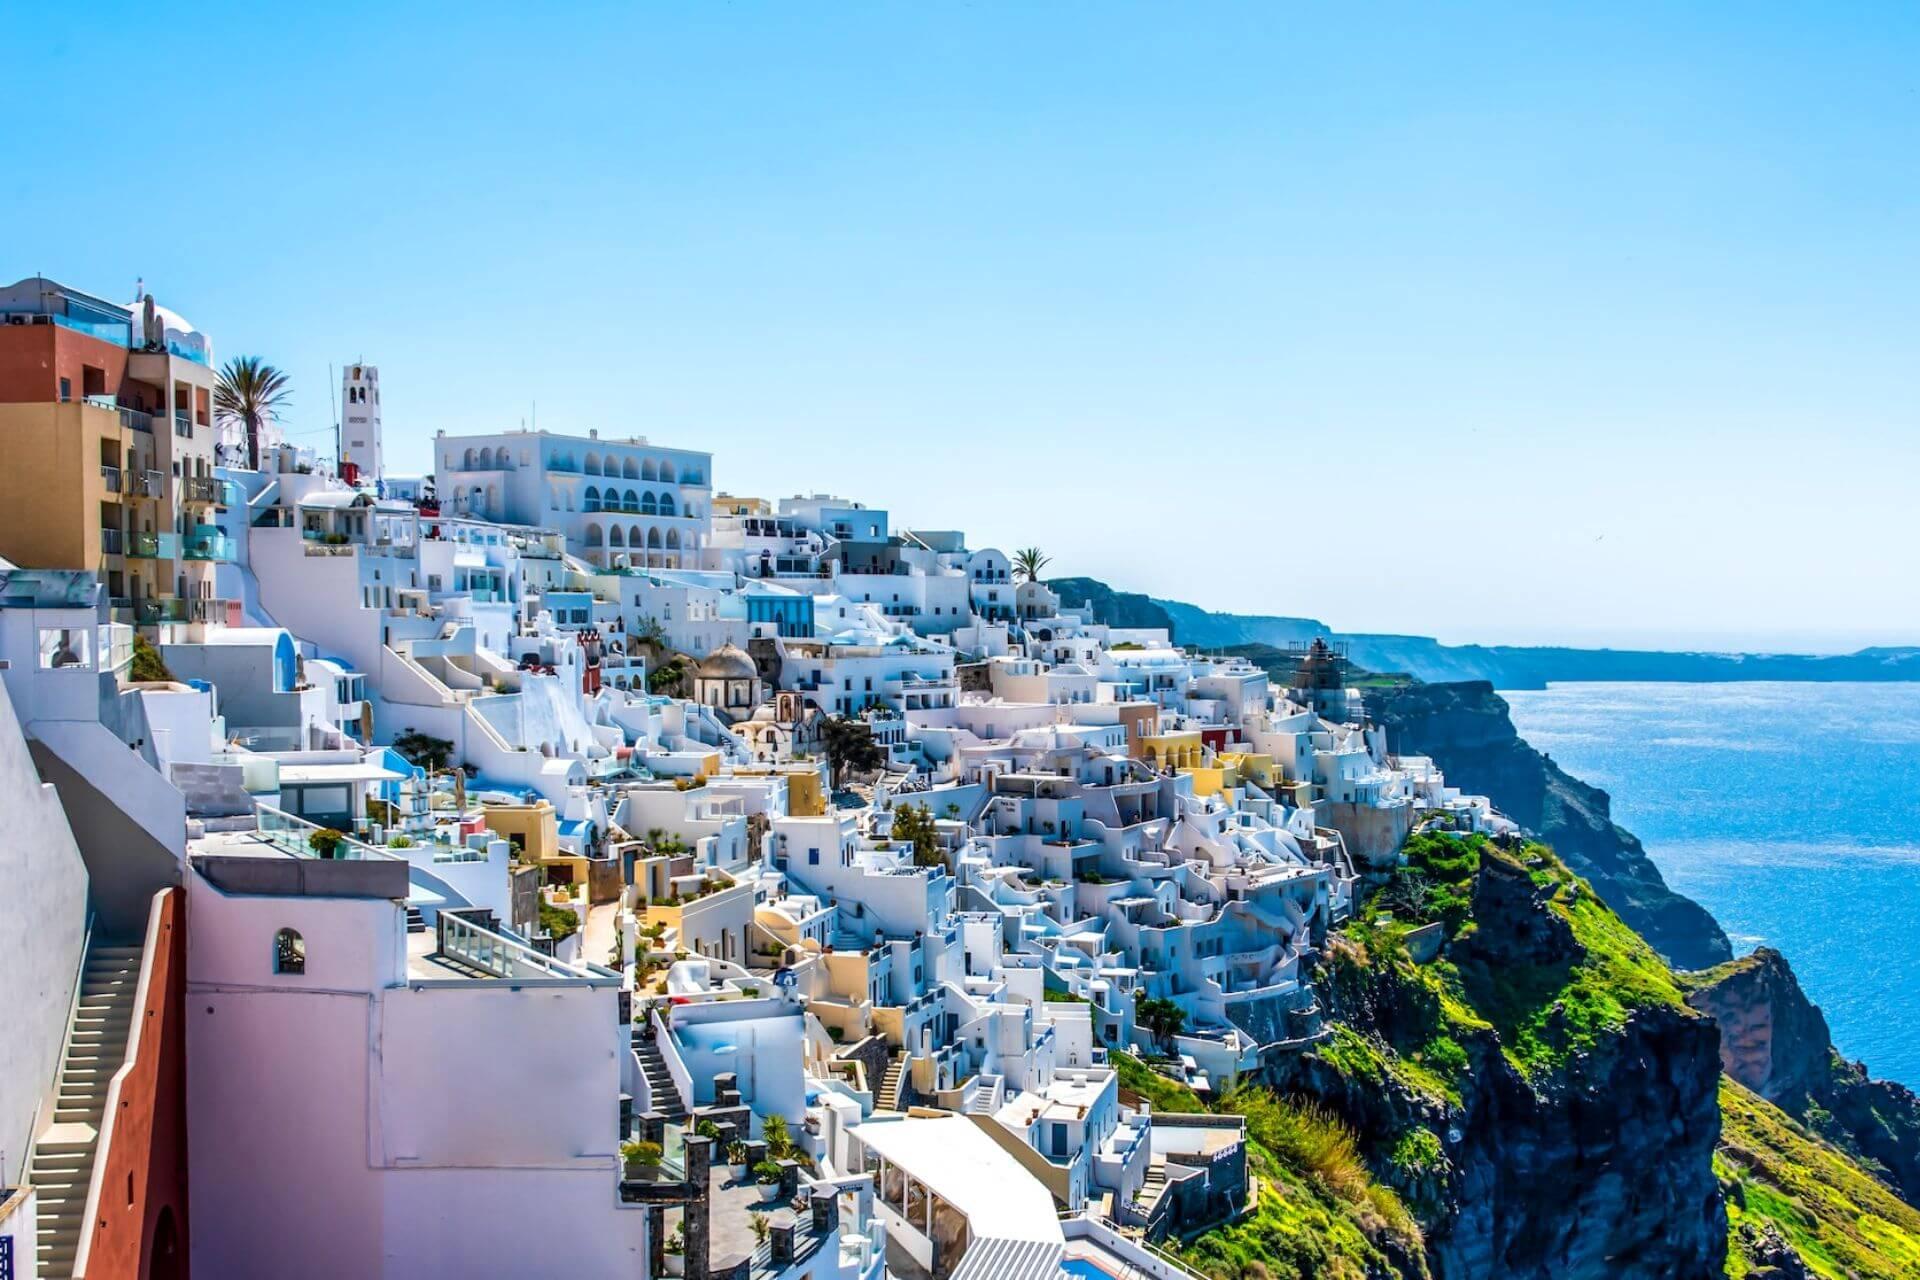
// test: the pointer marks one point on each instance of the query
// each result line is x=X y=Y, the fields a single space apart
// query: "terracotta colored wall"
x=34 y=357
x=146 y=1161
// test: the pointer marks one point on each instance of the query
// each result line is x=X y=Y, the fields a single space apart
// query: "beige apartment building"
x=106 y=423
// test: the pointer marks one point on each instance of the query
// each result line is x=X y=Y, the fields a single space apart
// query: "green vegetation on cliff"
x=1500 y=1046
x=1552 y=986
x=1319 y=1212
x=1783 y=1183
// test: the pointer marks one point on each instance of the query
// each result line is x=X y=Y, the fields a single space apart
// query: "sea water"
x=1790 y=811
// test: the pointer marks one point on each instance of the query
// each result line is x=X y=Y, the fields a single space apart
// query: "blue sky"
x=1506 y=324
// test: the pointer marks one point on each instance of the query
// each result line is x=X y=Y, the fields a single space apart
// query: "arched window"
x=648 y=471
x=469 y=460
x=615 y=538
x=289 y=952
x=593 y=464
x=592 y=496
x=486 y=459
x=594 y=536
x=634 y=537
x=628 y=471
x=648 y=505
x=673 y=539
x=631 y=501
x=666 y=472
x=653 y=538
x=666 y=504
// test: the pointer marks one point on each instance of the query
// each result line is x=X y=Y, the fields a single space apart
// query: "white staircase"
x=62 y=1166
x=890 y=1082
x=1152 y=1187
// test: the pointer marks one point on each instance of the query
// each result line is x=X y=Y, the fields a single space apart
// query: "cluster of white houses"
x=496 y=875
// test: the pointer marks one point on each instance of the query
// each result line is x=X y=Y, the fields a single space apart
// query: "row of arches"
x=646 y=504
x=613 y=536
x=488 y=460
x=626 y=469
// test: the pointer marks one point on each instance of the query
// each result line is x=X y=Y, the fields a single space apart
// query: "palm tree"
x=250 y=392
x=1028 y=564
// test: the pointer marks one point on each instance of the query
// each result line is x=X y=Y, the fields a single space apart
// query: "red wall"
x=34 y=357
x=146 y=1162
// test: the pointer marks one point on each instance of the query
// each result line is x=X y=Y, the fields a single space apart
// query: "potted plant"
x=676 y=1251
x=767 y=1174
x=761 y=1228
x=779 y=1142
x=737 y=1161
x=642 y=1160
x=325 y=842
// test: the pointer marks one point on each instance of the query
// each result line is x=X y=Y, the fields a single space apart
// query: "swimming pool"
x=1084 y=1269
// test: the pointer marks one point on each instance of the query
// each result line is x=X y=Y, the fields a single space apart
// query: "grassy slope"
x=1841 y=1221
x=1319 y=1213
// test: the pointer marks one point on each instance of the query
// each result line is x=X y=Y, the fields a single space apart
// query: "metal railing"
x=182 y=423
x=210 y=546
x=221 y=493
x=492 y=953
x=294 y=836
x=135 y=419
x=111 y=477
x=152 y=610
x=113 y=542
x=147 y=484
x=153 y=546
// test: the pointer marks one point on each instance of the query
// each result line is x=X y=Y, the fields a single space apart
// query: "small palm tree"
x=1027 y=564
x=250 y=392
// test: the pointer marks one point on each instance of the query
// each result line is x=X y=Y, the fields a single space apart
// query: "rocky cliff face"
x=1539 y=1094
x=1466 y=729
x=1775 y=1041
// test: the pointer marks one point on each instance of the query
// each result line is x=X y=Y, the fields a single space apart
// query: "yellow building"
x=1181 y=749
x=534 y=830
x=806 y=785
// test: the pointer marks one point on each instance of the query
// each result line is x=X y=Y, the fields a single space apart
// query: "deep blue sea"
x=1790 y=811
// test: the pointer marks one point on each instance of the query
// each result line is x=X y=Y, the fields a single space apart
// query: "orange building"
x=106 y=422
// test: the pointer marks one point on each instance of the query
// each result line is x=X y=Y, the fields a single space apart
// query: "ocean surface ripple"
x=1791 y=811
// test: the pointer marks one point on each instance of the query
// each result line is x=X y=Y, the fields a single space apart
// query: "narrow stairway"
x=666 y=1098
x=890 y=1082
x=62 y=1167
x=1152 y=1186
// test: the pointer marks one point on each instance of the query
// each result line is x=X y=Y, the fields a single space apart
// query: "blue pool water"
x=1790 y=811
x=1082 y=1269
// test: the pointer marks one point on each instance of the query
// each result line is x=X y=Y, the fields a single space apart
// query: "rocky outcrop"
x=1775 y=1041
x=1467 y=731
x=1772 y=1038
x=1593 y=1162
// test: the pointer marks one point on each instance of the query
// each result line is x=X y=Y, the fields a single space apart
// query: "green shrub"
x=148 y=665
x=558 y=922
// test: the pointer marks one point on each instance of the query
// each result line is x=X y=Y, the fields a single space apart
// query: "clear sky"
x=1503 y=323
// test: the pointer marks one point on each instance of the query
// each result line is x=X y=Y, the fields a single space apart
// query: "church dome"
x=728 y=662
